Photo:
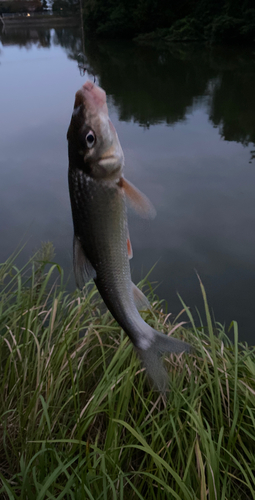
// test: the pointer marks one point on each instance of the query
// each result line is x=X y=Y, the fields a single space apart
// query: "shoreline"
x=74 y=394
x=34 y=21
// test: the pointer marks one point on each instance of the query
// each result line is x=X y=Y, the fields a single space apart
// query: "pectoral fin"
x=83 y=270
x=137 y=200
x=141 y=302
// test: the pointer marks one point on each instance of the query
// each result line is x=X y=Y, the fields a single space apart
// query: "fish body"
x=98 y=193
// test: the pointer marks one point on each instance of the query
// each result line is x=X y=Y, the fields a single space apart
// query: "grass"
x=79 y=420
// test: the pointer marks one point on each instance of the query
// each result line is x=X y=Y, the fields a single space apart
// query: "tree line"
x=57 y=6
x=13 y=6
x=172 y=20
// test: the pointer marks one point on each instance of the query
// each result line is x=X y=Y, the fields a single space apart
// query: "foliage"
x=13 y=6
x=65 y=7
x=185 y=30
x=211 y=20
x=225 y=28
x=78 y=419
x=110 y=18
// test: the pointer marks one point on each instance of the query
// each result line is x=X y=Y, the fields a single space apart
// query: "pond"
x=185 y=119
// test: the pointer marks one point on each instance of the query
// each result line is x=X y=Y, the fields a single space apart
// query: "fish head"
x=92 y=139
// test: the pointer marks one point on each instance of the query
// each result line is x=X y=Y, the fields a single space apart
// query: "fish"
x=99 y=194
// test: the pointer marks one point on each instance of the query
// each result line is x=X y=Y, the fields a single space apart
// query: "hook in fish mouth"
x=91 y=96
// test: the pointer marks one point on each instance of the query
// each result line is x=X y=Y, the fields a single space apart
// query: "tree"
x=65 y=6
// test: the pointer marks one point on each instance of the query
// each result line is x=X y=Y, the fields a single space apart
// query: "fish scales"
x=101 y=214
x=98 y=193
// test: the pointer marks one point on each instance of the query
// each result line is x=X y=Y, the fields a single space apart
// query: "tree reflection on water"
x=26 y=37
x=162 y=83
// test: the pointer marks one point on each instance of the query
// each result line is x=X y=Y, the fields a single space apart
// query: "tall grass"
x=79 y=420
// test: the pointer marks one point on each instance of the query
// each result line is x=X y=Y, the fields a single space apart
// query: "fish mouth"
x=91 y=95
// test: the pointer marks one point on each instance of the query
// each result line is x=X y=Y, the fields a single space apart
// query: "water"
x=185 y=118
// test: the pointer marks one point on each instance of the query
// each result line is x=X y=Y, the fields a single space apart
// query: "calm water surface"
x=185 y=118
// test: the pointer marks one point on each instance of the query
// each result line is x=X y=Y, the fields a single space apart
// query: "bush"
x=224 y=28
x=247 y=30
x=185 y=30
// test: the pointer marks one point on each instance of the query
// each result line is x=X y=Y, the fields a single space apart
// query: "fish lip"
x=88 y=85
x=91 y=96
x=95 y=94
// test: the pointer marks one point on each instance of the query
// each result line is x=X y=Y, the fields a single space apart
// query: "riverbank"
x=39 y=21
x=78 y=418
x=190 y=31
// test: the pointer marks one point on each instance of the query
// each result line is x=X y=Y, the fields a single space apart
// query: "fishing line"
x=82 y=61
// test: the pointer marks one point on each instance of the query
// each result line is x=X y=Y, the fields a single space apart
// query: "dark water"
x=186 y=121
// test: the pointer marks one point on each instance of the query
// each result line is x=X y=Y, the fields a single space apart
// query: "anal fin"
x=83 y=269
x=141 y=302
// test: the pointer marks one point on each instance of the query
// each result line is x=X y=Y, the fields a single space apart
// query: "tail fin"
x=152 y=357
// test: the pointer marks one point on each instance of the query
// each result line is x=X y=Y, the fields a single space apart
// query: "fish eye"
x=90 y=139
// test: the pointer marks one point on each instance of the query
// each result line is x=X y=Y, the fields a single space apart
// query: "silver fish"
x=98 y=193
